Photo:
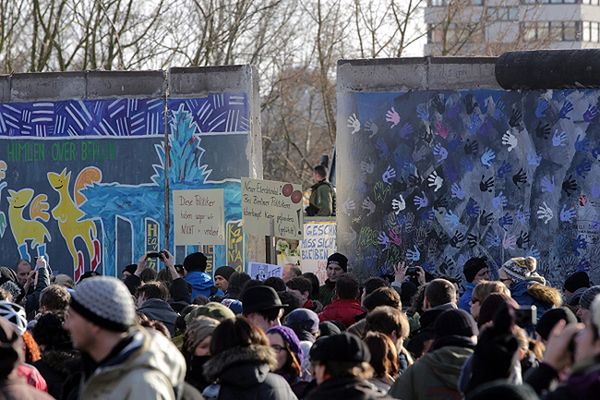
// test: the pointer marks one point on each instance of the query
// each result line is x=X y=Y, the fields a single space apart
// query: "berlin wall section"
x=436 y=164
x=82 y=161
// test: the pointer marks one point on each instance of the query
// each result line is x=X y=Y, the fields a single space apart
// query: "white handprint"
x=435 y=181
x=545 y=213
x=393 y=117
x=398 y=204
x=367 y=166
x=353 y=123
x=510 y=140
x=369 y=206
x=349 y=205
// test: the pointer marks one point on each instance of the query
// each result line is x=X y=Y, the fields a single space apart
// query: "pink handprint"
x=393 y=117
x=441 y=130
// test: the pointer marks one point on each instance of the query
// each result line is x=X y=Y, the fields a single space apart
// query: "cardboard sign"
x=271 y=208
x=199 y=217
x=319 y=243
x=263 y=271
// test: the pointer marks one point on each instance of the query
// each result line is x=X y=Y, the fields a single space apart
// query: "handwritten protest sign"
x=319 y=243
x=199 y=217
x=263 y=271
x=271 y=203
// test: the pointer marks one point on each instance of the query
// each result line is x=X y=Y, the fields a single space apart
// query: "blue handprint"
x=382 y=146
x=583 y=265
x=559 y=138
x=579 y=244
x=590 y=113
x=492 y=239
x=472 y=208
x=474 y=123
x=421 y=202
x=541 y=107
x=406 y=130
x=413 y=255
x=440 y=152
x=566 y=108
x=533 y=252
x=427 y=215
x=452 y=219
x=547 y=184
x=533 y=159
x=583 y=168
x=488 y=157
x=505 y=221
x=567 y=214
x=457 y=192
x=423 y=112
x=581 y=144
x=499 y=201
x=383 y=239
x=505 y=169
x=522 y=215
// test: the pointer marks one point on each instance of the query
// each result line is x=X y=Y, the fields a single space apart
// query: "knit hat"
x=225 y=271
x=212 y=310
x=455 y=322
x=502 y=390
x=130 y=268
x=338 y=259
x=234 y=305
x=577 y=280
x=344 y=347
x=11 y=288
x=588 y=296
x=328 y=328
x=289 y=337
x=104 y=301
x=473 y=266
x=260 y=298
x=520 y=268
x=195 y=262
x=198 y=329
x=551 y=317
x=303 y=319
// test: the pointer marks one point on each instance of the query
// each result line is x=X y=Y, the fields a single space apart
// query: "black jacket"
x=416 y=343
x=346 y=389
x=54 y=366
x=160 y=310
x=244 y=373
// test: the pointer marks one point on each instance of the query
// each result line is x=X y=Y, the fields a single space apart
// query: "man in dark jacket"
x=337 y=264
x=341 y=369
x=151 y=301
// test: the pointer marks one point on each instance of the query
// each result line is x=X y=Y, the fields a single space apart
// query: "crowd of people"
x=180 y=334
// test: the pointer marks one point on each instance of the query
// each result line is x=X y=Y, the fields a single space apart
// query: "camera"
x=412 y=271
x=526 y=316
x=156 y=255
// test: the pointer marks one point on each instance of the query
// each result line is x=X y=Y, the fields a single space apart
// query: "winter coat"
x=342 y=310
x=464 y=303
x=416 y=343
x=346 y=389
x=321 y=200
x=160 y=310
x=528 y=293
x=149 y=367
x=54 y=367
x=32 y=302
x=433 y=376
x=15 y=388
x=326 y=292
x=583 y=383
x=244 y=373
x=202 y=284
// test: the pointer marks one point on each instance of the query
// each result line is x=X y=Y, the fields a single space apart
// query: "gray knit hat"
x=588 y=296
x=106 y=302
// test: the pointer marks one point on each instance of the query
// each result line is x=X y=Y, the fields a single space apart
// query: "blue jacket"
x=202 y=284
x=464 y=302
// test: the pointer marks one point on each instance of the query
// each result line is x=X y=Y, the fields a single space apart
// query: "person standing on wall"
x=322 y=195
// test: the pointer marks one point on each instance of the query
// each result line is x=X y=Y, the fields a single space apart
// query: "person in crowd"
x=237 y=280
x=38 y=280
x=262 y=307
x=305 y=324
x=58 y=357
x=548 y=321
x=491 y=305
x=196 y=349
x=5 y=295
x=303 y=288
x=435 y=375
x=127 y=271
x=579 y=280
x=345 y=306
x=322 y=195
x=328 y=328
x=202 y=284
x=342 y=370
x=439 y=296
x=384 y=360
x=527 y=286
x=475 y=270
x=585 y=302
x=292 y=300
x=55 y=299
x=314 y=294
x=337 y=264
x=241 y=363
x=572 y=350
x=212 y=310
x=11 y=356
x=481 y=291
x=8 y=282
x=393 y=323
x=276 y=283
x=382 y=296
x=285 y=343
x=290 y=271
x=23 y=270
x=152 y=302
x=222 y=276
x=65 y=281
x=121 y=361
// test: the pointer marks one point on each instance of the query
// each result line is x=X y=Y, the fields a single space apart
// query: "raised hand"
x=488 y=157
x=519 y=178
x=486 y=185
x=457 y=192
x=523 y=240
x=451 y=219
x=370 y=126
x=547 y=184
x=393 y=117
x=368 y=205
x=566 y=108
x=590 y=113
x=388 y=175
x=471 y=147
x=569 y=185
x=435 y=181
x=367 y=166
x=545 y=213
x=505 y=221
x=499 y=201
x=567 y=214
x=421 y=202
x=398 y=204
x=353 y=123
x=457 y=239
x=413 y=255
x=510 y=140
x=559 y=138
x=583 y=168
x=440 y=152
x=486 y=219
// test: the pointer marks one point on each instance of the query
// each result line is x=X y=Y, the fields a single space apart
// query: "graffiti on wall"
x=436 y=177
x=77 y=172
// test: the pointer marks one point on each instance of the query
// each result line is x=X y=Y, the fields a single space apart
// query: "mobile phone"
x=526 y=316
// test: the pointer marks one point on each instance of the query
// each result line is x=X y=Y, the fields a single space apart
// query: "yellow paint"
x=22 y=228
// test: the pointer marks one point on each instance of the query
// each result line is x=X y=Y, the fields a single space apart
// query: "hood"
x=199 y=280
x=148 y=350
x=158 y=307
x=241 y=366
x=527 y=293
x=446 y=363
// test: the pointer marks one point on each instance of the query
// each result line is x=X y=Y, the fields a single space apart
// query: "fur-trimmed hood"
x=545 y=294
x=241 y=366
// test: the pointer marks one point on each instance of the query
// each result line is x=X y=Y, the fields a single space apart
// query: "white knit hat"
x=104 y=301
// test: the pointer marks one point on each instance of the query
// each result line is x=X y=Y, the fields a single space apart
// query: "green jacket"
x=434 y=376
x=322 y=197
x=326 y=292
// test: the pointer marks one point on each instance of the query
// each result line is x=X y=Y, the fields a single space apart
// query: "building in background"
x=491 y=27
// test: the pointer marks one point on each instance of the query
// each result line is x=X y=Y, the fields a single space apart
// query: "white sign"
x=198 y=217
x=263 y=271
x=319 y=243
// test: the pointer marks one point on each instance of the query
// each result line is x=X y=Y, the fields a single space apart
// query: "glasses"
x=278 y=348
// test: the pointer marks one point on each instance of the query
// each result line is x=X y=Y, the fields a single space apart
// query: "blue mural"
x=87 y=179
x=436 y=177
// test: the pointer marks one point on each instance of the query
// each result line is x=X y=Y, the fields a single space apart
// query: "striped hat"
x=104 y=301
x=520 y=268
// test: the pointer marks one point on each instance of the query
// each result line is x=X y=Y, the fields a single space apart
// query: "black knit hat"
x=260 y=298
x=225 y=271
x=473 y=266
x=577 y=280
x=130 y=268
x=455 y=322
x=551 y=317
x=195 y=262
x=338 y=259
x=344 y=347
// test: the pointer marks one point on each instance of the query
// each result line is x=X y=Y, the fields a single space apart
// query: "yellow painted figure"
x=28 y=229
